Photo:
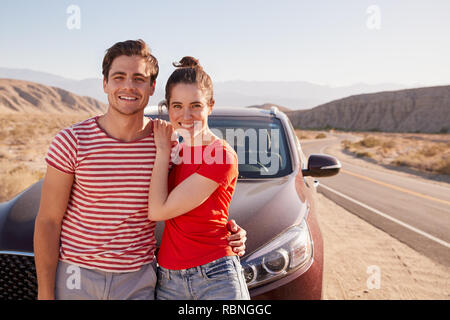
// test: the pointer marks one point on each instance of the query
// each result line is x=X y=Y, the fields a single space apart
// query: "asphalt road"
x=413 y=211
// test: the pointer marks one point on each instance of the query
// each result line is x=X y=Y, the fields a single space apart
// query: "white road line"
x=323 y=148
x=429 y=236
x=382 y=172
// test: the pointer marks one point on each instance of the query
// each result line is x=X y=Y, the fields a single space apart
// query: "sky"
x=331 y=42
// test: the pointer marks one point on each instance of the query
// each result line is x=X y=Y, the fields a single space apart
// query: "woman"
x=195 y=259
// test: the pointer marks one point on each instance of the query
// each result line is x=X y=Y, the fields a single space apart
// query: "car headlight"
x=285 y=254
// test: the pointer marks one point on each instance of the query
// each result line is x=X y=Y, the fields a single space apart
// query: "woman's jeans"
x=222 y=279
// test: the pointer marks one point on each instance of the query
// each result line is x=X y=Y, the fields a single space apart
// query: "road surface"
x=414 y=211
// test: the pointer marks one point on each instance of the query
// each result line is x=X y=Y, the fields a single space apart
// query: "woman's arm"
x=188 y=195
x=164 y=206
x=182 y=199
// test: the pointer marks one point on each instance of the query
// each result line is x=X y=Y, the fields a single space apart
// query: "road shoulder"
x=357 y=252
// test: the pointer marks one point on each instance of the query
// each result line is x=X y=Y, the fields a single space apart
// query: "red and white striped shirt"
x=106 y=223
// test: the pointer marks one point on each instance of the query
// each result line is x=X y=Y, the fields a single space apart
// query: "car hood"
x=17 y=220
x=266 y=208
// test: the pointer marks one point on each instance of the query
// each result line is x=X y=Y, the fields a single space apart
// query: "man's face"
x=128 y=86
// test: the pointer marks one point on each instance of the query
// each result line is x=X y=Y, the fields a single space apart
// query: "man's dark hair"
x=131 y=48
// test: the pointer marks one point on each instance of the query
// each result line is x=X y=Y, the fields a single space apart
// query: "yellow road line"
x=396 y=188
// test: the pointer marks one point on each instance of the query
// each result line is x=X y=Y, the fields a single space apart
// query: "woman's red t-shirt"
x=200 y=235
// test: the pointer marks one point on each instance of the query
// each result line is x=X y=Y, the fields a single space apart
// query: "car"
x=274 y=201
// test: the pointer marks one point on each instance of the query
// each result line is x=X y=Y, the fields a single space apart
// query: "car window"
x=259 y=143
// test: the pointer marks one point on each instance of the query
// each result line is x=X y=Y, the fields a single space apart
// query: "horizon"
x=414 y=85
x=323 y=43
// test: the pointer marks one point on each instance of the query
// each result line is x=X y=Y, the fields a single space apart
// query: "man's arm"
x=54 y=198
x=237 y=238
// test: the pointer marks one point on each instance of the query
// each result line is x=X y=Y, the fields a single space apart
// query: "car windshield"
x=260 y=143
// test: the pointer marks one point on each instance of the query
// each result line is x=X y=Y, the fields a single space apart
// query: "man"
x=93 y=239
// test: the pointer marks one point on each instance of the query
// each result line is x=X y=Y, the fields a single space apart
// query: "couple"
x=109 y=178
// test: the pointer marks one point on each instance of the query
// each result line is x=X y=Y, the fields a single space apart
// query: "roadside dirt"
x=357 y=252
x=381 y=164
x=364 y=262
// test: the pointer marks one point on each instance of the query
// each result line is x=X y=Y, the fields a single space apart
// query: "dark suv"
x=273 y=201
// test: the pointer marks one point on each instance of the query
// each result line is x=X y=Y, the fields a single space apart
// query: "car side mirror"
x=322 y=165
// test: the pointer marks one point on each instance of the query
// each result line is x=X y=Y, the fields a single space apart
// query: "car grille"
x=17 y=277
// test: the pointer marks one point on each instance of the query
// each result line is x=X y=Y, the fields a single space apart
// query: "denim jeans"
x=222 y=279
x=78 y=283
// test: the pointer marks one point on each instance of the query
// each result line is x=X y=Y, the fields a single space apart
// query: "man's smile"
x=127 y=98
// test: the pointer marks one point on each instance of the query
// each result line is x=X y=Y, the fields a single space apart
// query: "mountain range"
x=294 y=95
x=407 y=110
x=18 y=96
x=412 y=110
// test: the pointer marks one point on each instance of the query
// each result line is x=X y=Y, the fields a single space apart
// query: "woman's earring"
x=161 y=106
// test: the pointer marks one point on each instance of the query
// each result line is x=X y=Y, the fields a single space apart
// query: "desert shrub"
x=14 y=133
x=302 y=136
x=390 y=144
x=430 y=151
x=370 y=142
x=416 y=161
x=400 y=161
x=407 y=161
x=443 y=166
x=18 y=179
x=364 y=154
x=321 y=136
x=29 y=131
x=346 y=144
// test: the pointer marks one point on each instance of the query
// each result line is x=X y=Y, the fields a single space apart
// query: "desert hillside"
x=411 y=110
x=18 y=96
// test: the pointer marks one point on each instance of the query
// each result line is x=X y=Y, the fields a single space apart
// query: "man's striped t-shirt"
x=106 y=223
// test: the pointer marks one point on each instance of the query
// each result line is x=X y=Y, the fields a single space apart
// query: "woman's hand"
x=164 y=135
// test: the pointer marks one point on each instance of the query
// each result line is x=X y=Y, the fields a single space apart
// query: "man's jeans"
x=222 y=279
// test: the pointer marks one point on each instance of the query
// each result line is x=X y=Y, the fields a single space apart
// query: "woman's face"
x=189 y=110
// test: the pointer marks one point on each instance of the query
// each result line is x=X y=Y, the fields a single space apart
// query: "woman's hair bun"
x=187 y=62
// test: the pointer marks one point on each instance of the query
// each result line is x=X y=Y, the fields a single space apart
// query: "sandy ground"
x=363 y=262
